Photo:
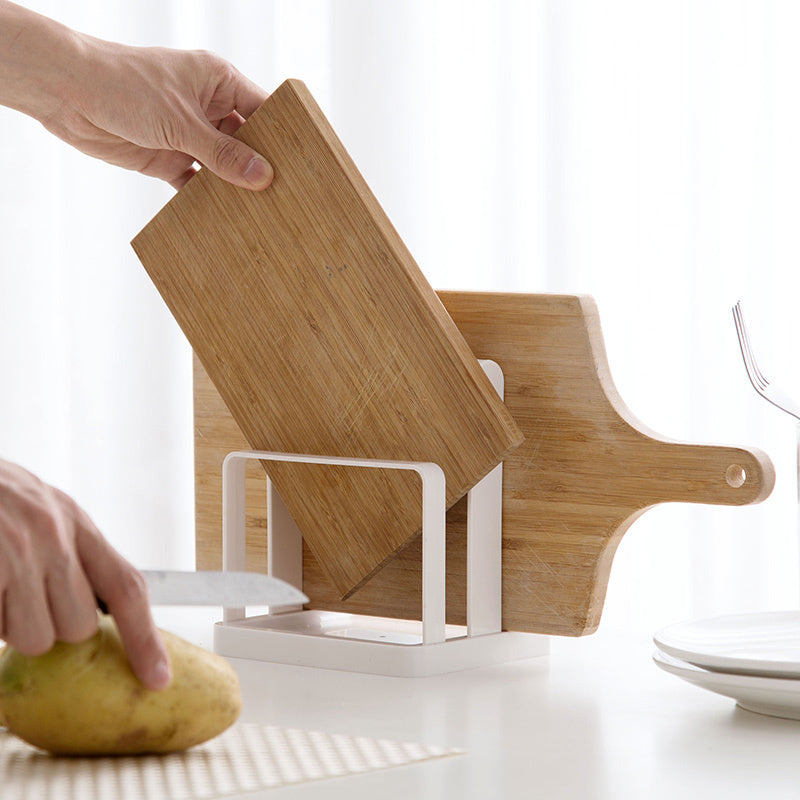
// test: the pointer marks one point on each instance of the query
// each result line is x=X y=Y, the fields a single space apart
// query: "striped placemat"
x=248 y=757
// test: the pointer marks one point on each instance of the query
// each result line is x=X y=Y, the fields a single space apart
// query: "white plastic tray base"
x=246 y=758
x=359 y=643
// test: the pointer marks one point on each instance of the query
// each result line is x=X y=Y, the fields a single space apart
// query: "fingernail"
x=258 y=172
x=161 y=674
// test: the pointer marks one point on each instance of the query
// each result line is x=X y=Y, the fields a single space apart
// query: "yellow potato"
x=84 y=699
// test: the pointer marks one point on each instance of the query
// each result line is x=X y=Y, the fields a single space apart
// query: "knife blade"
x=230 y=589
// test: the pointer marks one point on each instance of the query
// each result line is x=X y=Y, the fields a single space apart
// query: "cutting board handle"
x=661 y=470
x=675 y=472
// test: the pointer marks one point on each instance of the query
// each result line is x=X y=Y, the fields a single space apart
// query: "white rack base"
x=373 y=645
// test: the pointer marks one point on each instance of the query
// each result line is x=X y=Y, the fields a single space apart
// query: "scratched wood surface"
x=586 y=470
x=322 y=335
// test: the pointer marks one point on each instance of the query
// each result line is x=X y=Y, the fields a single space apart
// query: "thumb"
x=232 y=160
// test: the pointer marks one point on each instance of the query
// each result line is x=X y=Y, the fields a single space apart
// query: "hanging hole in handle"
x=736 y=476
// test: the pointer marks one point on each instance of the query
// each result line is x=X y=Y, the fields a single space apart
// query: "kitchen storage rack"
x=369 y=644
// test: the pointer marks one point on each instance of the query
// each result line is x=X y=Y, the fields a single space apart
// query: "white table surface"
x=594 y=719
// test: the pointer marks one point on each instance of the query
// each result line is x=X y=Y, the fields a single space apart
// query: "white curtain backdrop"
x=643 y=153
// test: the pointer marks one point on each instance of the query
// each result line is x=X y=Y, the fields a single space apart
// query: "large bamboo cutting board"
x=322 y=335
x=586 y=471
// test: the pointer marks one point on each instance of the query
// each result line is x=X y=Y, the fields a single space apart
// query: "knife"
x=230 y=589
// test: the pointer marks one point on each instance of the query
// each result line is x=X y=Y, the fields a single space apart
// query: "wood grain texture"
x=586 y=471
x=322 y=335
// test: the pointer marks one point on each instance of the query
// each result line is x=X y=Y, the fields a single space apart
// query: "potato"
x=84 y=699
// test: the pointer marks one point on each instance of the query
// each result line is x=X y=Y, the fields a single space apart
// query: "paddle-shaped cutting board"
x=587 y=469
x=322 y=335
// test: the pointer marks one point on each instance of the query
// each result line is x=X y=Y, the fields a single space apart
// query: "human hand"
x=54 y=563
x=158 y=111
x=150 y=109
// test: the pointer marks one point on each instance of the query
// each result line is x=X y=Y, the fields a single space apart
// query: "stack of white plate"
x=753 y=658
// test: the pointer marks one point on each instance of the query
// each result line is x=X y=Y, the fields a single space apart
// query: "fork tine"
x=749 y=348
x=751 y=359
x=771 y=393
x=758 y=380
x=744 y=342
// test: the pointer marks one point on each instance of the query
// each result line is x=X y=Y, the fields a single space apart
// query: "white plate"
x=776 y=697
x=765 y=644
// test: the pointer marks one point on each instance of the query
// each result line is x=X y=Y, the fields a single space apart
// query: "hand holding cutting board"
x=324 y=337
x=154 y=110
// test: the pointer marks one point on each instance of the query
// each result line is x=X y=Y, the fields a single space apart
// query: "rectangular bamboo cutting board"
x=586 y=470
x=322 y=336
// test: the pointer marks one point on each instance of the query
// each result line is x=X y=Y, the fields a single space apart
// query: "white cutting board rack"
x=377 y=645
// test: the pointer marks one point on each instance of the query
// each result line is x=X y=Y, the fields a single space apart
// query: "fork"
x=760 y=383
